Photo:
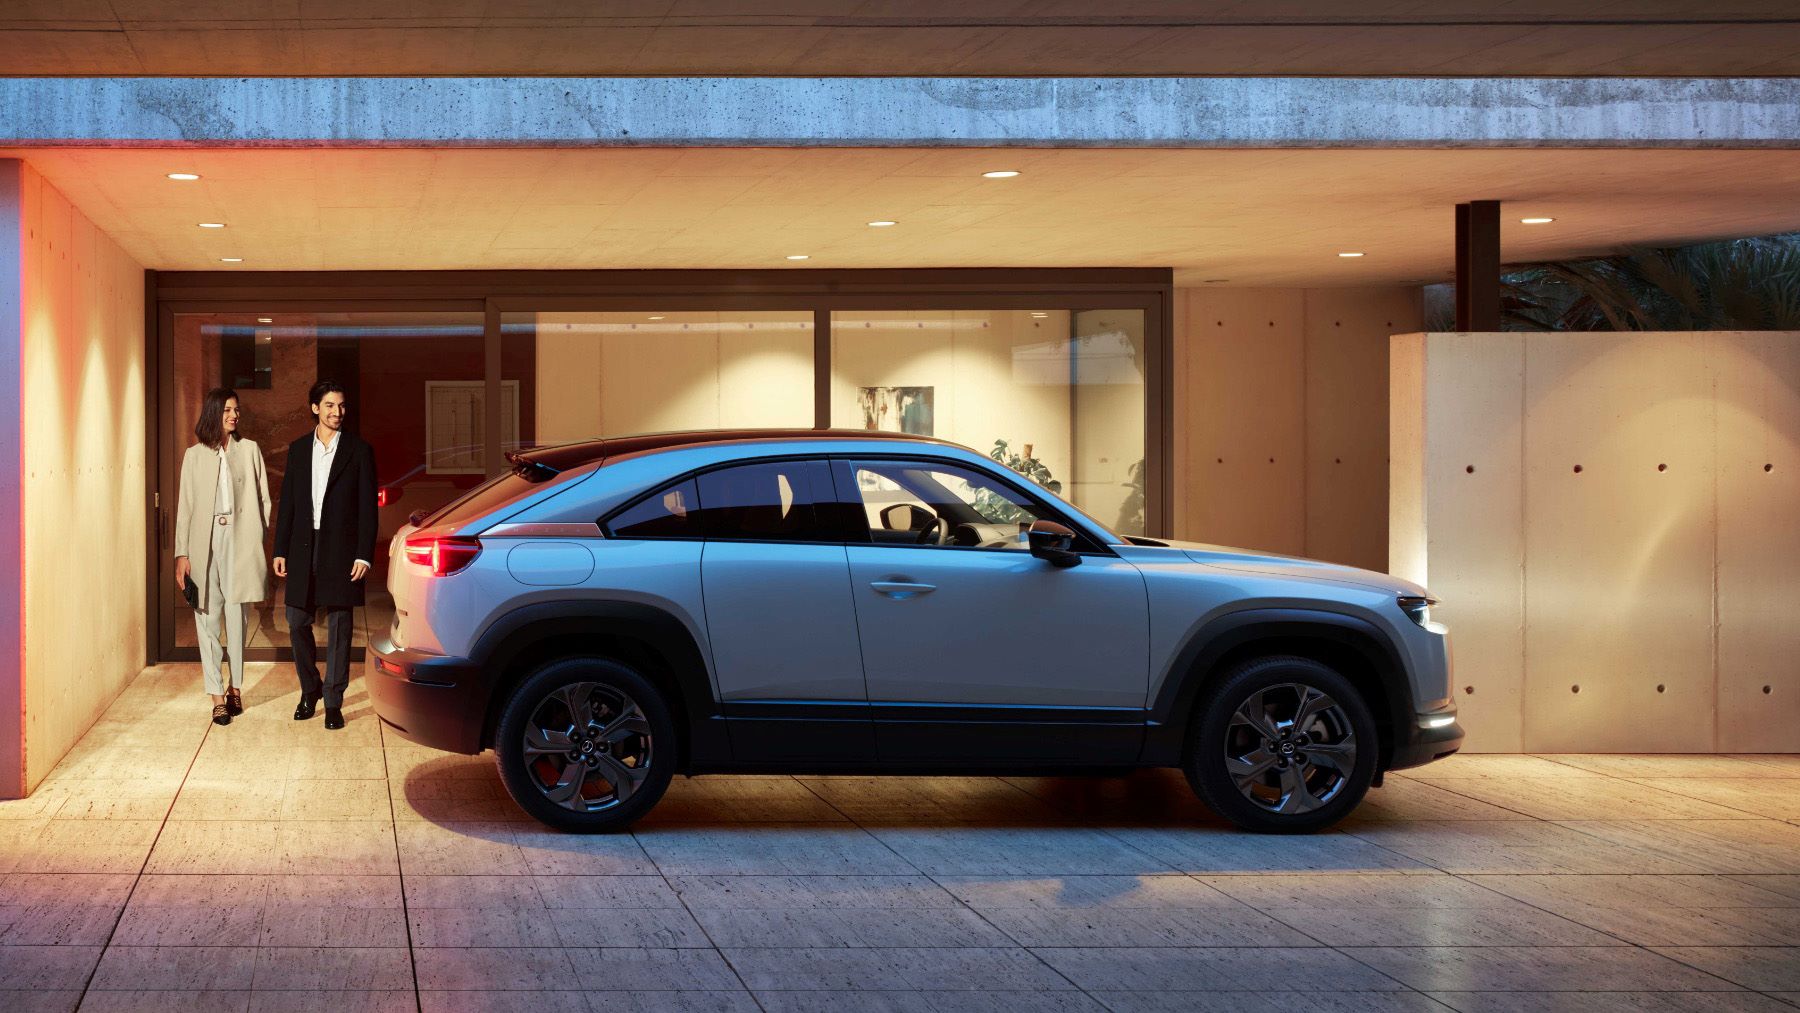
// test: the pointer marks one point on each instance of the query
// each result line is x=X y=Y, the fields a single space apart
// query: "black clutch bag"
x=190 y=591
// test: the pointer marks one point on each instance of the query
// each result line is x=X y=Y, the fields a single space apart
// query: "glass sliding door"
x=414 y=384
x=1063 y=375
x=1056 y=394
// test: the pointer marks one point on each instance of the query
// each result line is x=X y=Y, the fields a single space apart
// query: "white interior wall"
x=1108 y=417
x=994 y=374
x=1641 y=603
x=80 y=399
x=617 y=373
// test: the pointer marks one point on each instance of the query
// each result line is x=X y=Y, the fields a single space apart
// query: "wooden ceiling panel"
x=1256 y=217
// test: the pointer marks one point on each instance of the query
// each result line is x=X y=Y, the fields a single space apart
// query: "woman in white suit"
x=221 y=519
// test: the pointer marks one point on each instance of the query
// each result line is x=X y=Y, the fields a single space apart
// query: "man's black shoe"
x=305 y=710
x=334 y=718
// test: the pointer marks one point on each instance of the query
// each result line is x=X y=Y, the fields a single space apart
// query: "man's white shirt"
x=322 y=455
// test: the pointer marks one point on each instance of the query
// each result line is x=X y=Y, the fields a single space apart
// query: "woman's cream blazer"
x=249 y=577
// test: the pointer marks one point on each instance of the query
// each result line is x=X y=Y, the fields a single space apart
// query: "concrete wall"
x=1281 y=418
x=72 y=340
x=1610 y=522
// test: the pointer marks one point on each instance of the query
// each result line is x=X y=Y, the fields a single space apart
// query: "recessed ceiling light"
x=1536 y=221
x=798 y=256
x=184 y=176
x=231 y=260
x=1001 y=174
x=881 y=225
x=265 y=320
x=212 y=225
x=1035 y=313
x=656 y=318
x=1351 y=253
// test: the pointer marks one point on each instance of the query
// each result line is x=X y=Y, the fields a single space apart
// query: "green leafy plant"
x=1735 y=285
x=1131 y=512
x=997 y=508
x=1739 y=285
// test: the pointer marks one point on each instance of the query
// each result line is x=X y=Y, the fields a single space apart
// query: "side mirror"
x=896 y=516
x=1053 y=543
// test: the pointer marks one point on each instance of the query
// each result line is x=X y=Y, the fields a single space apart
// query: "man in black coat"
x=324 y=539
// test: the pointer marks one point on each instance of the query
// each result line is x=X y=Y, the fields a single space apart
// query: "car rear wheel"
x=586 y=745
x=1283 y=745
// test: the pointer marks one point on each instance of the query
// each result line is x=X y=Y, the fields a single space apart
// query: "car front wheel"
x=1284 y=745
x=586 y=745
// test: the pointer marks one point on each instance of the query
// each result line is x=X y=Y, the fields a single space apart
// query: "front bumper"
x=427 y=698
x=1429 y=737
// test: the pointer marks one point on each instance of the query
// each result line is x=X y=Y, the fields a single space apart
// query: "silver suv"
x=609 y=614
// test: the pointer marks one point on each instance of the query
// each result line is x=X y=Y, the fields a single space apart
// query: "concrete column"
x=12 y=465
x=1478 y=266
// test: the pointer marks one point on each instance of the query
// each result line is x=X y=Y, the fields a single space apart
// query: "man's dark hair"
x=210 y=427
x=322 y=388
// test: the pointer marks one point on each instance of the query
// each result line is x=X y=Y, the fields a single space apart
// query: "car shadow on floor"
x=453 y=790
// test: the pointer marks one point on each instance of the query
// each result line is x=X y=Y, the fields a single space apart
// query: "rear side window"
x=669 y=513
x=776 y=501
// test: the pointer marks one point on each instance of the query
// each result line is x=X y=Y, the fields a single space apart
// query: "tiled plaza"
x=272 y=865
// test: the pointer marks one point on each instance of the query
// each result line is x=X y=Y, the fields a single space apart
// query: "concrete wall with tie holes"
x=1281 y=416
x=1613 y=524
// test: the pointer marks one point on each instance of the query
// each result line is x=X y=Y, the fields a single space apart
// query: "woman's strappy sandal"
x=234 y=702
x=221 y=714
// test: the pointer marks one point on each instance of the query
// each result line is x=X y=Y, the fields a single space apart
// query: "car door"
x=975 y=649
x=776 y=586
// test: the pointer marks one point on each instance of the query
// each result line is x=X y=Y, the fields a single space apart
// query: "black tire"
x=550 y=699
x=1278 y=798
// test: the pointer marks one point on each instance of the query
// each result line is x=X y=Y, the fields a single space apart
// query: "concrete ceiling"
x=887 y=37
x=1253 y=217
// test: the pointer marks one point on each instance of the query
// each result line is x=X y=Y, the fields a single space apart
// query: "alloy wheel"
x=587 y=747
x=1290 y=749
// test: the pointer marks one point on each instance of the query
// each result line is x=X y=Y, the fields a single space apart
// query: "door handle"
x=901 y=590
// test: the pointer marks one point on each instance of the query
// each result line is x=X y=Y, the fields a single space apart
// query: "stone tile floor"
x=271 y=865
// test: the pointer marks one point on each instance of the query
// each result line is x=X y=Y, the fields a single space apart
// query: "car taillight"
x=444 y=556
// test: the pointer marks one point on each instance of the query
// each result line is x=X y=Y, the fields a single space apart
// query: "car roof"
x=574 y=455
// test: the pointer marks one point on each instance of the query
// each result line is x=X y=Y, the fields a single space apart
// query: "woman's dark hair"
x=322 y=388
x=210 y=429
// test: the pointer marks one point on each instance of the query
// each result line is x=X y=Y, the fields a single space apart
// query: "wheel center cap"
x=1287 y=748
x=587 y=745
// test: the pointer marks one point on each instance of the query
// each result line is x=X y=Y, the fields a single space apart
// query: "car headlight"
x=1418 y=609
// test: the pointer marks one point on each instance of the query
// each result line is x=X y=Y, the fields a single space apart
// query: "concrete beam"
x=903 y=112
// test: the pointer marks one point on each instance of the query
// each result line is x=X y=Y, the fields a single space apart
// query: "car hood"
x=1250 y=561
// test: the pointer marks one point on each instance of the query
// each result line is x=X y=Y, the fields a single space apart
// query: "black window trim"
x=846 y=505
